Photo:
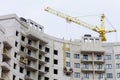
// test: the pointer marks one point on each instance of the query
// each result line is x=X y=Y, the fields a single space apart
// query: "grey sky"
x=55 y=26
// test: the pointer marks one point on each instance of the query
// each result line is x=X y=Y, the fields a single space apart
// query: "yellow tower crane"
x=100 y=30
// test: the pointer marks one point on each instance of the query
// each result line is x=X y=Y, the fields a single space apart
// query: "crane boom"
x=101 y=30
x=69 y=18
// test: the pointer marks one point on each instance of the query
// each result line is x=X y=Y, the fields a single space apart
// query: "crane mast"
x=101 y=30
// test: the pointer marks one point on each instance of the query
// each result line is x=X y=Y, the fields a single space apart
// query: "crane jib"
x=101 y=30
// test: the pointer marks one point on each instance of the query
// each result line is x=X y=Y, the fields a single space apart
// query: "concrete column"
x=93 y=66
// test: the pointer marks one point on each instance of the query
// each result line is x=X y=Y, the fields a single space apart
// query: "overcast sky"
x=58 y=27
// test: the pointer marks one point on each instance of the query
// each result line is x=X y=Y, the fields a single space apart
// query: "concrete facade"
x=27 y=53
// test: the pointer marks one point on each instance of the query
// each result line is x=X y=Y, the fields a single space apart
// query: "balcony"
x=27 y=77
x=99 y=52
x=42 y=52
x=88 y=78
x=31 y=47
x=5 y=76
x=101 y=60
x=21 y=53
x=7 y=43
x=41 y=72
x=5 y=67
x=101 y=79
x=2 y=78
x=31 y=67
x=31 y=57
x=87 y=69
x=23 y=43
x=86 y=60
x=100 y=70
x=42 y=62
x=43 y=41
x=6 y=54
x=86 y=52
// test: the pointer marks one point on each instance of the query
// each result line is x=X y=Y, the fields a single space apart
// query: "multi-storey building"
x=27 y=53
x=112 y=60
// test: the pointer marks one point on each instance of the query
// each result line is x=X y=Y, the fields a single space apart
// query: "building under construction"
x=27 y=53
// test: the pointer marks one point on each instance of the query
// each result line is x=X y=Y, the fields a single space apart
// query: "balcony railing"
x=31 y=57
x=87 y=79
x=31 y=67
x=99 y=69
x=89 y=69
x=41 y=72
x=5 y=76
x=90 y=78
x=6 y=54
x=42 y=52
x=5 y=66
x=7 y=43
x=31 y=46
x=99 y=52
x=86 y=60
x=99 y=60
x=99 y=78
x=27 y=77
x=41 y=62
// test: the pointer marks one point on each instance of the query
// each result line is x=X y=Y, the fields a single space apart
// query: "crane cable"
x=110 y=22
x=97 y=15
x=87 y=15
x=113 y=28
